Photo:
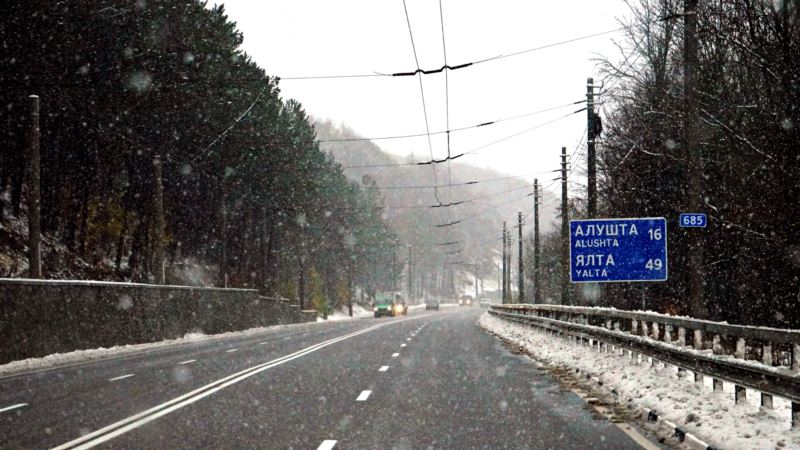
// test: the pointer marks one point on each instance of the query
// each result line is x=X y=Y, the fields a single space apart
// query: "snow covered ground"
x=83 y=356
x=711 y=416
x=342 y=314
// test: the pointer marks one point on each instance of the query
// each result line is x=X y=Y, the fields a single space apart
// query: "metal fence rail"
x=763 y=359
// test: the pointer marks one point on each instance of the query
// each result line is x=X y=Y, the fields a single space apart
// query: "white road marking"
x=122 y=377
x=188 y=361
x=231 y=350
x=123 y=426
x=287 y=338
x=402 y=345
x=327 y=444
x=408 y=339
x=9 y=408
x=262 y=343
x=395 y=355
x=363 y=396
x=383 y=369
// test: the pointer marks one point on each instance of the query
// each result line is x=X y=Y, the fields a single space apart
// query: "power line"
x=453 y=130
x=527 y=130
x=424 y=107
x=370 y=166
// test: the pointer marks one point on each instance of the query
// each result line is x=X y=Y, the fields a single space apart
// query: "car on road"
x=389 y=304
x=432 y=303
x=465 y=300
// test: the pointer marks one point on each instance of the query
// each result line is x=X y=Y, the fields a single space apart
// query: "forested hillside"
x=249 y=199
x=489 y=198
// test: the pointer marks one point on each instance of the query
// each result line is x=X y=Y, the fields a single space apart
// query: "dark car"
x=432 y=303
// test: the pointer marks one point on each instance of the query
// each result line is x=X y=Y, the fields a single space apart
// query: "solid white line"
x=363 y=396
x=383 y=369
x=121 y=377
x=188 y=361
x=231 y=350
x=402 y=345
x=327 y=444
x=9 y=408
x=123 y=426
x=395 y=355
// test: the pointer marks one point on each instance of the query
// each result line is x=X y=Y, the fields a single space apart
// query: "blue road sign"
x=692 y=220
x=617 y=250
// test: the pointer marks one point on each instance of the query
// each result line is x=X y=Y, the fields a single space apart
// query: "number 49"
x=654 y=264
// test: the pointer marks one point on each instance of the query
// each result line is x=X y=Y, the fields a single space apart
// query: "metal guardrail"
x=764 y=359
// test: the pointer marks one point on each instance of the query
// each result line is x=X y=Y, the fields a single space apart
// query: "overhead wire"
x=424 y=107
x=453 y=130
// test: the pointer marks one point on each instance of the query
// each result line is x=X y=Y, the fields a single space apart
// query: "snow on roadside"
x=343 y=314
x=709 y=415
x=84 y=356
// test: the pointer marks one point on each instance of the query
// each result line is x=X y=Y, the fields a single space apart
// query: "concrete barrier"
x=41 y=317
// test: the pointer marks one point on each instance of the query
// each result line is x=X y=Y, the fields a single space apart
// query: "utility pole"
x=591 y=165
x=410 y=276
x=537 y=287
x=508 y=268
x=564 y=231
x=505 y=247
x=34 y=198
x=694 y=154
x=521 y=274
x=158 y=226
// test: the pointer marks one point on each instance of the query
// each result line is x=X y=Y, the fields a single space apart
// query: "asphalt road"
x=429 y=380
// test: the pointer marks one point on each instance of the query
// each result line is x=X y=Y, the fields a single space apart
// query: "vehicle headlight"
x=398 y=308
x=374 y=308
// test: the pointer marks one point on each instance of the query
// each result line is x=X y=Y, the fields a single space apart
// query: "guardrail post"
x=739 y=394
x=608 y=324
x=740 y=348
x=796 y=357
x=645 y=332
x=716 y=345
x=682 y=336
x=698 y=377
x=766 y=354
x=634 y=326
x=655 y=330
x=668 y=333
x=766 y=401
x=716 y=383
x=698 y=340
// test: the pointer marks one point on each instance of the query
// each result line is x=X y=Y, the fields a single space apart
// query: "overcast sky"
x=292 y=38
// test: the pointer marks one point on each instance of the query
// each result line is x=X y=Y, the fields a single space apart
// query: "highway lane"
x=432 y=380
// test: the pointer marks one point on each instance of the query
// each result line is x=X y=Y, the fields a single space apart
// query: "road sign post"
x=618 y=250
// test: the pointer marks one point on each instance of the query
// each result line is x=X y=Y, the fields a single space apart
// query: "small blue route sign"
x=692 y=220
x=618 y=250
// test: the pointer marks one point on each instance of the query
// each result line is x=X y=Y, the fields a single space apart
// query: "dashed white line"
x=383 y=369
x=363 y=396
x=395 y=355
x=9 y=408
x=122 y=377
x=402 y=345
x=231 y=350
x=262 y=343
x=327 y=444
x=188 y=361
x=408 y=339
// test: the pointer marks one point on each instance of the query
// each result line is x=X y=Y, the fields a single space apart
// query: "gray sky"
x=292 y=38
